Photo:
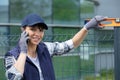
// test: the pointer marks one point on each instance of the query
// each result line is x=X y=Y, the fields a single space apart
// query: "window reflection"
x=4 y=11
x=42 y=7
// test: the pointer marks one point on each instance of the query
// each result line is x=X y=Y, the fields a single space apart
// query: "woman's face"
x=35 y=33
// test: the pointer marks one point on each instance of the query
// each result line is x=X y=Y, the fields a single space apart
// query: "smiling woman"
x=35 y=34
x=32 y=55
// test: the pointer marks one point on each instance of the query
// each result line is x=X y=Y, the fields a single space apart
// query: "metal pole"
x=117 y=52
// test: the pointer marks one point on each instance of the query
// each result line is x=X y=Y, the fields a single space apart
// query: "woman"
x=31 y=58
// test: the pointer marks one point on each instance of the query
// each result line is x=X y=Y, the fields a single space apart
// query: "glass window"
x=86 y=10
x=4 y=30
x=4 y=11
x=66 y=11
x=20 y=8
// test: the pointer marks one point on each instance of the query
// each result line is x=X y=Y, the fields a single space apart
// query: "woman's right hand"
x=23 y=42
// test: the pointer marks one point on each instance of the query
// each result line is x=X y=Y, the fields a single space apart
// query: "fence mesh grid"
x=92 y=60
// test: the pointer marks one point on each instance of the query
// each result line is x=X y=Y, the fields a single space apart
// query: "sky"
x=3 y=2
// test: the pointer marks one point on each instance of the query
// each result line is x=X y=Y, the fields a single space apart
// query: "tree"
x=65 y=10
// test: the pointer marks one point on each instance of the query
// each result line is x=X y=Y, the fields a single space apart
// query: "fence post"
x=117 y=52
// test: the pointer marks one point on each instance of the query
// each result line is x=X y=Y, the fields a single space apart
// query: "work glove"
x=93 y=23
x=23 y=42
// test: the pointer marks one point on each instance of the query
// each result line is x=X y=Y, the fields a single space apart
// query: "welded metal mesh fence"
x=92 y=60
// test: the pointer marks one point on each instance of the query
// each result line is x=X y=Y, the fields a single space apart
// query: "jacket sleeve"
x=11 y=72
x=58 y=48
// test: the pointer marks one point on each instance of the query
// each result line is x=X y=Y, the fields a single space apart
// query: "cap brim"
x=42 y=24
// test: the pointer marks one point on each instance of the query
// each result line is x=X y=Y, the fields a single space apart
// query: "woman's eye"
x=41 y=30
x=32 y=29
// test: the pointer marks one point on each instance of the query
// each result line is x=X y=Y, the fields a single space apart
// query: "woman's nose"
x=37 y=32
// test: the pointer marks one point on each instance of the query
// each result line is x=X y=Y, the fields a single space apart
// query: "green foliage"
x=65 y=10
x=17 y=9
x=86 y=7
x=2 y=70
x=20 y=8
x=87 y=65
x=104 y=74
x=14 y=35
x=66 y=66
x=73 y=66
x=62 y=34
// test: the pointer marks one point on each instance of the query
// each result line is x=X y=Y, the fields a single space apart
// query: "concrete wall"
x=104 y=61
x=108 y=8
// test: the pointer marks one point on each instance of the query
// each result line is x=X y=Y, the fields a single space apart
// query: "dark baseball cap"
x=33 y=19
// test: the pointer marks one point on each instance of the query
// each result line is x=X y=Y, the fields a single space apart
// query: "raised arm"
x=93 y=23
x=58 y=48
x=79 y=37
